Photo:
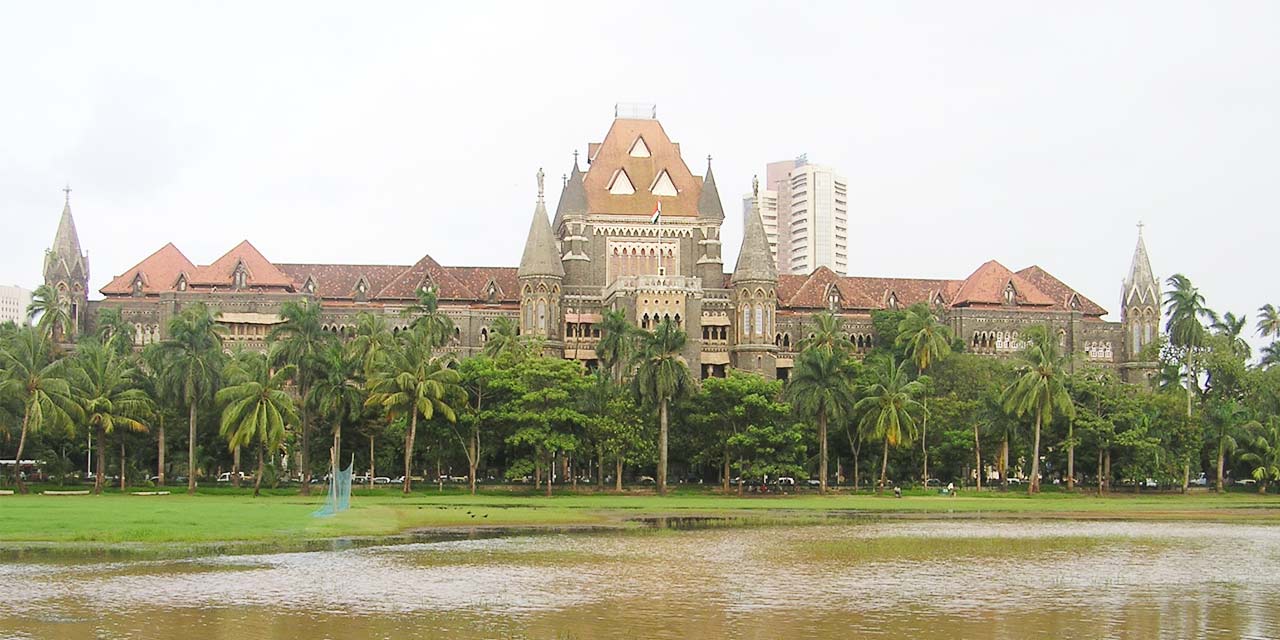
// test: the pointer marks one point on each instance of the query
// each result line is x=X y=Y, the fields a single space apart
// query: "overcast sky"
x=378 y=132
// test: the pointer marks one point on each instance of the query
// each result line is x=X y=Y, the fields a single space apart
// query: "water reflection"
x=920 y=579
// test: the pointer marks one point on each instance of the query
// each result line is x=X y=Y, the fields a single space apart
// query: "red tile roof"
x=159 y=272
x=614 y=153
x=1060 y=292
x=261 y=273
x=477 y=279
x=986 y=287
x=339 y=280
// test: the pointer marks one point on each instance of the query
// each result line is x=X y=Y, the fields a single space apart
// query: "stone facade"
x=636 y=231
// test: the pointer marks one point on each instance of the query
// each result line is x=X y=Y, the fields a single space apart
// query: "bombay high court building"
x=602 y=250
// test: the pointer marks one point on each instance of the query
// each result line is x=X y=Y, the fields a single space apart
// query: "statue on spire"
x=541 y=176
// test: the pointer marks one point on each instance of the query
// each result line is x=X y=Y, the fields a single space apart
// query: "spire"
x=1140 y=285
x=540 y=255
x=709 y=200
x=755 y=262
x=66 y=243
x=573 y=197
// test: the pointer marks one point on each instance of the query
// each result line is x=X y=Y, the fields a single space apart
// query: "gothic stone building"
x=603 y=250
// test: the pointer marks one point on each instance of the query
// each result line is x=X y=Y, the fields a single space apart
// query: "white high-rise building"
x=809 y=205
x=13 y=304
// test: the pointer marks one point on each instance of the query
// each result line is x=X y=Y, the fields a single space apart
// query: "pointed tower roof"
x=755 y=262
x=540 y=255
x=65 y=258
x=66 y=243
x=709 y=200
x=573 y=198
x=1141 y=283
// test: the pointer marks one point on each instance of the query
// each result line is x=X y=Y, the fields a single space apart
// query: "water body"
x=901 y=579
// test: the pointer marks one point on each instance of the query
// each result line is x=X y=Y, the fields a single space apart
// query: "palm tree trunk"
x=822 y=451
x=551 y=470
x=17 y=458
x=257 y=479
x=160 y=454
x=474 y=457
x=662 y=447
x=235 y=467
x=924 y=443
x=884 y=465
x=1004 y=462
x=1222 y=454
x=1106 y=469
x=617 y=477
x=1100 y=479
x=724 y=477
x=191 y=446
x=1034 y=485
x=305 y=457
x=977 y=454
x=1071 y=455
x=121 y=463
x=98 y=480
x=336 y=456
x=371 y=471
x=408 y=451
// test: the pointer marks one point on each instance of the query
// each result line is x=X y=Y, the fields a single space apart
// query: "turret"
x=754 y=292
x=66 y=269
x=541 y=275
x=710 y=266
x=570 y=227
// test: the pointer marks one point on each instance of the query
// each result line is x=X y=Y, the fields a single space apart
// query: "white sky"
x=376 y=133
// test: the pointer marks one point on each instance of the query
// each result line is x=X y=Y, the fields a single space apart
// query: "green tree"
x=190 y=367
x=888 y=407
x=427 y=316
x=106 y=385
x=827 y=336
x=410 y=381
x=1186 y=311
x=1263 y=452
x=724 y=408
x=256 y=408
x=1039 y=389
x=1268 y=321
x=618 y=344
x=1230 y=328
x=821 y=387
x=51 y=312
x=504 y=339
x=662 y=375
x=1226 y=417
x=338 y=393
x=926 y=342
x=33 y=377
x=372 y=338
x=299 y=340
x=114 y=332
x=544 y=409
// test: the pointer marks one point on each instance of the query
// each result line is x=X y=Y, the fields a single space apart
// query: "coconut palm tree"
x=1040 y=388
x=256 y=409
x=827 y=335
x=372 y=337
x=426 y=314
x=299 y=340
x=107 y=387
x=1230 y=327
x=1271 y=354
x=1185 y=326
x=1264 y=452
x=618 y=344
x=1269 y=321
x=504 y=338
x=888 y=407
x=411 y=381
x=189 y=367
x=114 y=332
x=31 y=375
x=1226 y=417
x=927 y=342
x=338 y=393
x=661 y=376
x=51 y=312
x=821 y=387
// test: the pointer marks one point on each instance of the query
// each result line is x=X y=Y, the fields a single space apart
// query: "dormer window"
x=620 y=184
x=1074 y=303
x=833 y=299
x=137 y=285
x=240 y=278
x=491 y=293
x=663 y=186
x=309 y=286
x=1009 y=293
x=639 y=149
x=893 y=301
x=182 y=283
x=362 y=289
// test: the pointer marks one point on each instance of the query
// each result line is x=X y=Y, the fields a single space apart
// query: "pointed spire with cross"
x=67 y=191
x=1141 y=224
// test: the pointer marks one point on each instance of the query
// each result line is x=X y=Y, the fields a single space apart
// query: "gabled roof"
x=339 y=280
x=405 y=284
x=860 y=293
x=1060 y=292
x=986 y=286
x=261 y=273
x=159 y=272
x=477 y=279
x=614 y=153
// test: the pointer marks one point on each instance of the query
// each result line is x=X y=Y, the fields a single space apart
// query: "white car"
x=381 y=480
x=225 y=476
x=1202 y=481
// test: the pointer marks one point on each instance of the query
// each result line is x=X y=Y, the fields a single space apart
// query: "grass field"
x=224 y=515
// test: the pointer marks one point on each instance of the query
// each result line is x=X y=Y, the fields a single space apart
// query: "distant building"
x=808 y=223
x=13 y=304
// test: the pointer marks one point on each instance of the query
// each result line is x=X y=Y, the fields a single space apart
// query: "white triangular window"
x=1075 y=302
x=662 y=185
x=620 y=184
x=310 y=285
x=182 y=283
x=639 y=149
x=1010 y=294
x=893 y=300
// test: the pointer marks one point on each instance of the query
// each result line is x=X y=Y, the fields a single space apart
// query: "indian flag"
x=657 y=213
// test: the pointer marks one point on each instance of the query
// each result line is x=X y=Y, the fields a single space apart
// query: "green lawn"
x=222 y=515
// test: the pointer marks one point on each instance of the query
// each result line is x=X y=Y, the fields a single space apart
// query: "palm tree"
x=256 y=409
x=190 y=366
x=827 y=335
x=1230 y=327
x=299 y=340
x=1185 y=326
x=1269 y=321
x=338 y=393
x=53 y=311
x=1264 y=452
x=107 y=389
x=927 y=341
x=1271 y=354
x=372 y=338
x=1040 y=389
x=114 y=332
x=1226 y=417
x=410 y=381
x=31 y=375
x=888 y=407
x=618 y=344
x=821 y=386
x=426 y=314
x=504 y=338
x=662 y=375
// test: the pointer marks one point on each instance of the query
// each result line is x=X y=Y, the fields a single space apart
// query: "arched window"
x=528 y=315
x=1137 y=336
x=746 y=321
x=542 y=316
x=759 y=319
x=484 y=334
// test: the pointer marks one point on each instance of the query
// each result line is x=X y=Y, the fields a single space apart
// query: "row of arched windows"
x=1098 y=350
x=996 y=341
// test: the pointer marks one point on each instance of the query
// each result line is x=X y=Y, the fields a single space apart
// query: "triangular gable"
x=988 y=284
x=620 y=184
x=160 y=268
x=663 y=186
x=639 y=149
x=261 y=272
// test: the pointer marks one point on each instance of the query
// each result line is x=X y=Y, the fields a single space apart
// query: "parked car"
x=398 y=480
x=361 y=479
x=933 y=482
x=1201 y=481
x=1015 y=480
x=381 y=480
x=1150 y=483
x=647 y=480
x=785 y=481
x=814 y=482
x=225 y=476
x=1246 y=482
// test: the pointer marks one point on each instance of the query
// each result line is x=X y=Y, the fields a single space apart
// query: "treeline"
x=916 y=408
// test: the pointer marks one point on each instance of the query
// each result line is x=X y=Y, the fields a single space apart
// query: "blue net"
x=339 y=498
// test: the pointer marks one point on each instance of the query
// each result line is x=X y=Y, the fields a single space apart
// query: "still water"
x=913 y=579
